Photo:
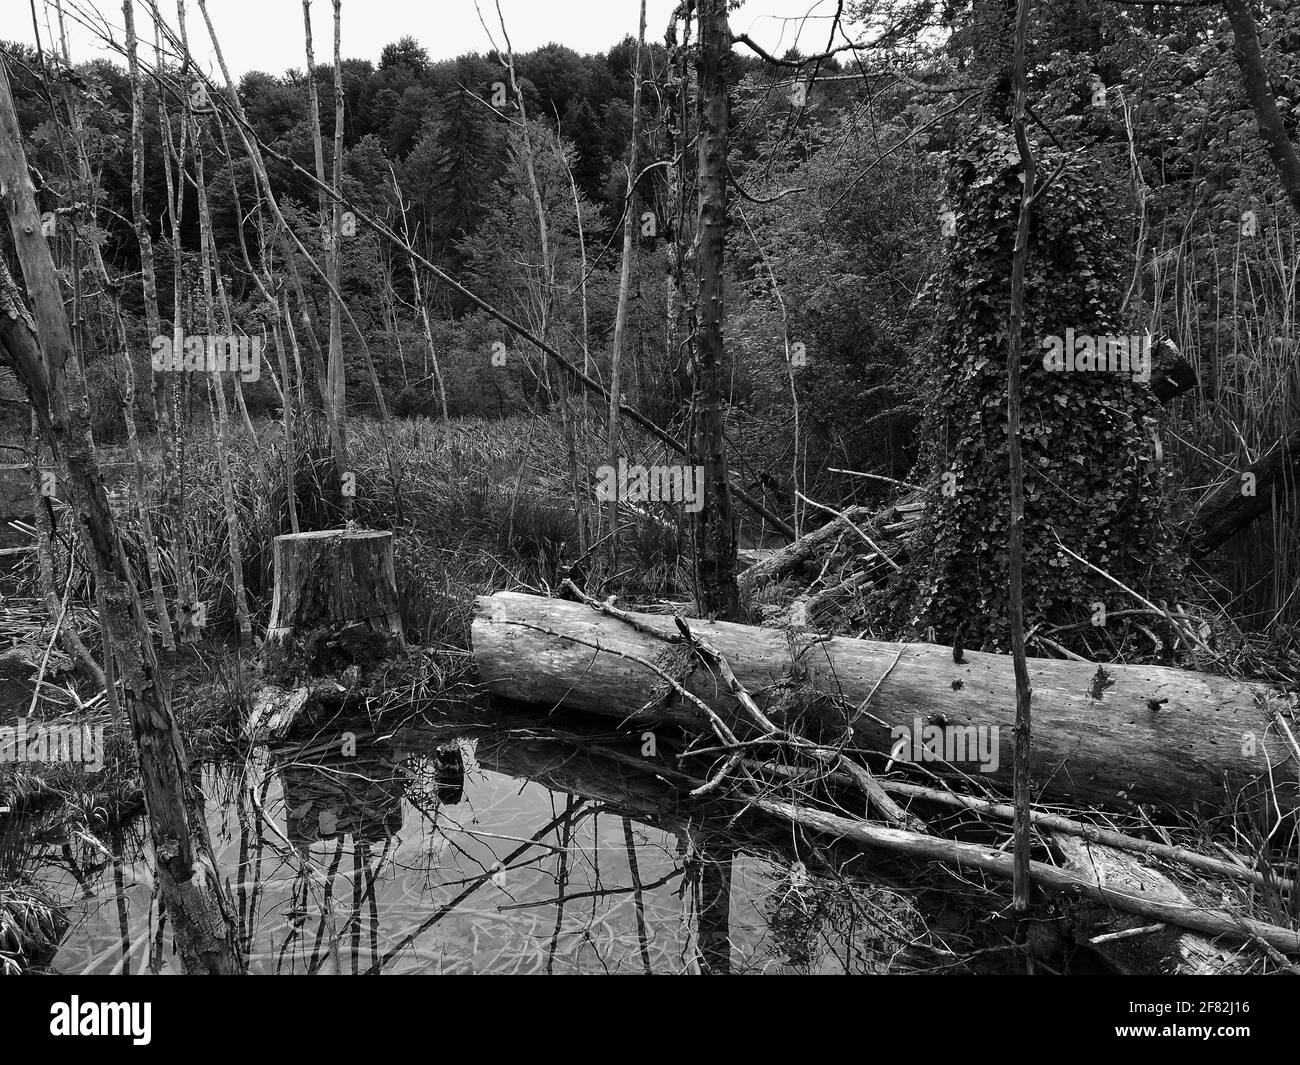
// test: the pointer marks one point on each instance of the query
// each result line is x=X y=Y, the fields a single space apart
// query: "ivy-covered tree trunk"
x=1088 y=434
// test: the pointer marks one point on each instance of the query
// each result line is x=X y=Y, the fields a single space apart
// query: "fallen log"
x=779 y=564
x=1096 y=835
x=1114 y=734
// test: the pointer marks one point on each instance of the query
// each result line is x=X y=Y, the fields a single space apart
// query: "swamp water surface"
x=501 y=849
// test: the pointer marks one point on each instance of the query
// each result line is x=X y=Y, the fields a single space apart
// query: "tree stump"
x=334 y=578
x=336 y=622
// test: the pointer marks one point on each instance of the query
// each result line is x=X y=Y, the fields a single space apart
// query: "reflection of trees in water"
x=841 y=924
x=523 y=850
x=58 y=867
x=349 y=793
x=337 y=794
x=712 y=884
x=31 y=923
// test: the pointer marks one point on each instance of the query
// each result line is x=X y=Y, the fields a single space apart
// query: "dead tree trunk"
x=418 y=297
x=624 y=285
x=336 y=372
x=1113 y=735
x=186 y=871
x=166 y=392
x=716 y=538
x=41 y=519
x=1268 y=116
x=288 y=242
x=151 y=316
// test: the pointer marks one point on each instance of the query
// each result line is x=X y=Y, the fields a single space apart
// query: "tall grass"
x=1229 y=300
x=475 y=506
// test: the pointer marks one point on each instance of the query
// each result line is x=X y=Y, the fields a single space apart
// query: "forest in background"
x=834 y=335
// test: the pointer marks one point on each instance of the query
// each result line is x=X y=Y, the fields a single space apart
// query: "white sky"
x=267 y=34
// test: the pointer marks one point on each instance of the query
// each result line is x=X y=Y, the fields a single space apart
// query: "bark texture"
x=1113 y=734
x=335 y=577
x=716 y=537
x=42 y=355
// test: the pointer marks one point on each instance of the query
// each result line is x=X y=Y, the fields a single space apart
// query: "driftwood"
x=1102 y=735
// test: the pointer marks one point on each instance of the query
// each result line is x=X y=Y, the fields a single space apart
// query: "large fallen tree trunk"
x=1108 y=735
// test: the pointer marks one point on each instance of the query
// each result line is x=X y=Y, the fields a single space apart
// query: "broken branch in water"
x=1001 y=864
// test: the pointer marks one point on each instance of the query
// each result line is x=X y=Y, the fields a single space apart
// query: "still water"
x=490 y=850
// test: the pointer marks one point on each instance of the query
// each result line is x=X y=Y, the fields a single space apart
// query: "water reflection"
x=510 y=849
